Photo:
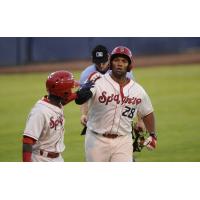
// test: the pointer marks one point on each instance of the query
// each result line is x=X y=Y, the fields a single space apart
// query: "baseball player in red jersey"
x=43 y=137
x=113 y=103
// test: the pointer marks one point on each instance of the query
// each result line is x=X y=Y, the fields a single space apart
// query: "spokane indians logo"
x=54 y=123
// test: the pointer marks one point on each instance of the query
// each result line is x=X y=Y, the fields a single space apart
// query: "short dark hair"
x=99 y=54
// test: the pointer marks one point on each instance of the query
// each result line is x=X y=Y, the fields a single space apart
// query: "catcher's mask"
x=60 y=83
x=122 y=52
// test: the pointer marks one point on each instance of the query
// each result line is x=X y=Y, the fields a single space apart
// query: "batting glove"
x=151 y=142
x=87 y=85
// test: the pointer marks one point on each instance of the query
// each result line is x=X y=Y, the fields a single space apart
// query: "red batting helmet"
x=60 y=83
x=124 y=52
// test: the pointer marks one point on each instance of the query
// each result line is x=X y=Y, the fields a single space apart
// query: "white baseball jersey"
x=113 y=107
x=45 y=124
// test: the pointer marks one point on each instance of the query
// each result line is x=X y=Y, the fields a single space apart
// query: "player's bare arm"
x=84 y=111
x=149 y=121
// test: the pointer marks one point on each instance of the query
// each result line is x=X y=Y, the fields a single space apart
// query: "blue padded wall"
x=16 y=51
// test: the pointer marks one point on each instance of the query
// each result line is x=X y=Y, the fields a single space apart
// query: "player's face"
x=102 y=67
x=119 y=66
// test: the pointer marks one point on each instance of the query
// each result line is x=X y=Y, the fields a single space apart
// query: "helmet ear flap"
x=130 y=67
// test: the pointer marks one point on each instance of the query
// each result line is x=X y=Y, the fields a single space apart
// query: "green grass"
x=175 y=94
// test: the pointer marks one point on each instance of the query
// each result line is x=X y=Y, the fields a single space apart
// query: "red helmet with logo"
x=124 y=52
x=60 y=83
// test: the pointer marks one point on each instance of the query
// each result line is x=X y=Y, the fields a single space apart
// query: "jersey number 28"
x=129 y=112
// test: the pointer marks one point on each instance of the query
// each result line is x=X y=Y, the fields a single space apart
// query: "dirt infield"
x=147 y=61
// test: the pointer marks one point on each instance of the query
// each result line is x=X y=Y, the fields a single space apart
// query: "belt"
x=49 y=154
x=108 y=135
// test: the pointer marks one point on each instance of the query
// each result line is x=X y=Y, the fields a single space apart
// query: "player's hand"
x=87 y=85
x=84 y=120
x=150 y=142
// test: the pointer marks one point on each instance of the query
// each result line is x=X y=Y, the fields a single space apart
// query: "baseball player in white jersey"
x=113 y=103
x=100 y=59
x=43 y=138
